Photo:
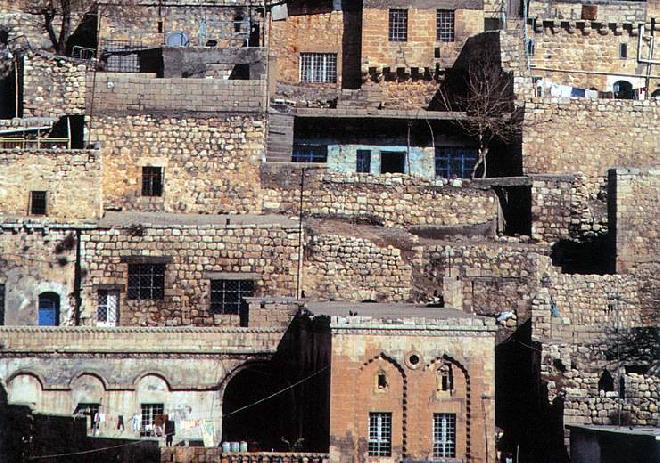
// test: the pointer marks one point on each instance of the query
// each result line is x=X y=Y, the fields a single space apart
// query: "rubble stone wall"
x=35 y=260
x=53 y=85
x=563 y=136
x=70 y=178
x=126 y=92
x=354 y=268
x=270 y=251
x=391 y=199
x=210 y=164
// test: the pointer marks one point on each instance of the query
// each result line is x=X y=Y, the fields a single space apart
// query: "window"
x=363 y=161
x=149 y=414
x=49 y=309
x=87 y=409
x=392 y=162
x=398 y=30
x=623 y=50
x=38 y=203
x=146 y=281
x=380 y=434
x=446 y=377
x=152 y=181
x=318 y=67
x=227 y=295
x=382 y=380
x=444 y=435
x=107 y=312
x=2 y=304
x=445 y=25
x=309 y=153
x=531 y=47
x=454 y=161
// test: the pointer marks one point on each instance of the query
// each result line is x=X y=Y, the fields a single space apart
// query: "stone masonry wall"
x=340 y=267
x=269 y=251
x=210 y=164
x=53 y=85
x=419 y=50
x=35 y=259
x=637 y=215
x=606 y=11
x=124 y=92
x=70 y=178
x=591 y=47
x=568 y=135
x=391 y=199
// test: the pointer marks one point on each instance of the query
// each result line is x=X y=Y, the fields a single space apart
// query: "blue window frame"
x=363 y=161
x=309 y=153
x=454 y=161
x=49 y=309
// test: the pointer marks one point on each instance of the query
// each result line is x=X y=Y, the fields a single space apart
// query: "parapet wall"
x=607 y=11
x=390 y=199
x=70 y=178
x=126 y=92
x=210 y=164
x=562 y=135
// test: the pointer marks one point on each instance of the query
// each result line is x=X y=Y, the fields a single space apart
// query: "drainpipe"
x=77 y=281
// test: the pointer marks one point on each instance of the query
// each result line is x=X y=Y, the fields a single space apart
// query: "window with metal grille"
x=363 y=161
x=309 y=153
x=2 y=304
x=38 y=202
x=398 y=28
x=87 y=409
x=445 y=25
x=152 y=181
x=227 y=295
x=318 y=67
x=107 y=312
x=149 y=414
x=380 y=434
x=146 y=281
x=454 y=161
x=444 y=435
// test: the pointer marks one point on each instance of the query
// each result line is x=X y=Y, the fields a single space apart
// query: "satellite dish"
x=177 y=39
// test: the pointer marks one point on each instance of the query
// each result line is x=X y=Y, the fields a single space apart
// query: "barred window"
x=398 y=29
x=309 y=153
x=380 y=434
x=38 y=203
x=107 y=312
x=152 y=181
x=363 y=161
x=146 y=281
x=445 y=25
x=149 y=414
x=227 y=295
x=318 y=67
x=454 y=161
x=444 y=435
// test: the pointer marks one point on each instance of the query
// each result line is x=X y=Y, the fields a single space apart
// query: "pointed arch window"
x=446 y=377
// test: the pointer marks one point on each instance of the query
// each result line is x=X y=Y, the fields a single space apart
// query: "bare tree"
x=57 y=18
x=483 y=91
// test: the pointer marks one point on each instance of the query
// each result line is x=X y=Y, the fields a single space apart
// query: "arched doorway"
x=49 y=309
x=254 y=411
x=623 y=90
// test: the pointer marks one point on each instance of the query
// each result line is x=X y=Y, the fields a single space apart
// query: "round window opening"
x=414 y=360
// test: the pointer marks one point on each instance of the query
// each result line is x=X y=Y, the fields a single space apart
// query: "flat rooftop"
x=165 y=219
x=631 y=430
x=383 y=310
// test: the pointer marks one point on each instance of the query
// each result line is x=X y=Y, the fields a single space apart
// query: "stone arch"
x=404 y=399
x=222 y=384
x=152 y=387
x=468 y=395
x=157 y=373
x=25 y=388
x=88 y=387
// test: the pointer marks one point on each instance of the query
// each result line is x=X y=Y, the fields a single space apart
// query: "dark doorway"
x=9 y=94
x=83 y=41
x=392 y=162
x=623 y=90
x=351 y=51
x=72 y=125
x=266 y=425
x=583 y=258
x=49 y=309
x=516 y=204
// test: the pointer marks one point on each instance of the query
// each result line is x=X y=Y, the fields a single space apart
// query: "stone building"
x=237 y=202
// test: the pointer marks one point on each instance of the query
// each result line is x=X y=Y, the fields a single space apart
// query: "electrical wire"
x=238 y=410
